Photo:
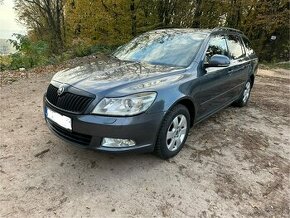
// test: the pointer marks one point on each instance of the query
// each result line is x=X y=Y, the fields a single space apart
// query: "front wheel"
x=244 y=98
x=173 y=132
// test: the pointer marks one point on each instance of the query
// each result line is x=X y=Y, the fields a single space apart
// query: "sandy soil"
x=235 y=164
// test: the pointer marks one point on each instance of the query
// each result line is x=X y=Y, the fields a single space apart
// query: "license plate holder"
x=61 y=120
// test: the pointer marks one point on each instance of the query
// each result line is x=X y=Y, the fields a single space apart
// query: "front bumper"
x=89 y=130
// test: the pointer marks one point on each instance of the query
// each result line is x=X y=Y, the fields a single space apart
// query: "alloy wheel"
x=176 y=132
x=247 y=92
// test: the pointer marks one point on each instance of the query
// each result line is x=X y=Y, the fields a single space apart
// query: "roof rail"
x=227 y=29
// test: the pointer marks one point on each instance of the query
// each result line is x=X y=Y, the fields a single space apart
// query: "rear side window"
x=235 y=47
x=248 y=46
x=217 y=45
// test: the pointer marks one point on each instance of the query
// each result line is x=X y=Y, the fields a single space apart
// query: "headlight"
x=125 y=106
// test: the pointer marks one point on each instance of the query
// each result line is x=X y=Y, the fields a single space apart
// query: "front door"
x=214 y=83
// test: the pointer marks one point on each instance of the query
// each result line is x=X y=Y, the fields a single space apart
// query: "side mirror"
x=218 y=61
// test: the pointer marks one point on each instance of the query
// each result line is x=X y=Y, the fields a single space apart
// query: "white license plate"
x=61 y=120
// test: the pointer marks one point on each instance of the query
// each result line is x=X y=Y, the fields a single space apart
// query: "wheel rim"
x=247 y=92
x=176 y=132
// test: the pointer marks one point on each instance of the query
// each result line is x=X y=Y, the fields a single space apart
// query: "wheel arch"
x=189 y=104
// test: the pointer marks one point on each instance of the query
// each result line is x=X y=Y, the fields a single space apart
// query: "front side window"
x=235 y=47
x=217 y=45
x=162 y=48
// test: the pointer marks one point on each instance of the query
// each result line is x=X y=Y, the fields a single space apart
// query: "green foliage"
x=82 y=50
x=88 y=50
x=5 y=62
x=56 y=59
x=18 y=61
x=281 y=65
x=29 y=54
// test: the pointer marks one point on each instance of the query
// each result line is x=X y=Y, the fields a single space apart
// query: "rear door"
x=239 y=67
x=251 y=54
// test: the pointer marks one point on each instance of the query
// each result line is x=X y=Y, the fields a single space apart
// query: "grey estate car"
x=149 y=92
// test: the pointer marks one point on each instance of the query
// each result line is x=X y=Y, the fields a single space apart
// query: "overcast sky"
x=8 y=23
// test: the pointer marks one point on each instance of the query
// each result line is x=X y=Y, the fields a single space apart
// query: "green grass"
x=282 y=65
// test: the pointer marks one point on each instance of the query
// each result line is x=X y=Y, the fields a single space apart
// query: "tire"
x=173 y=132
x=245 y=95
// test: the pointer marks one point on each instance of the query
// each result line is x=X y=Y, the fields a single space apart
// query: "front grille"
x=67 y=101
x=71 y=136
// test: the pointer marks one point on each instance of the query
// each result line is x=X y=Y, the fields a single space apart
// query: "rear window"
x=235 y=47
x=248 y=46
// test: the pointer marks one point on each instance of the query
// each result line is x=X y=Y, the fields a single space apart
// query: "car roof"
x=196 y=30
x=182 y=30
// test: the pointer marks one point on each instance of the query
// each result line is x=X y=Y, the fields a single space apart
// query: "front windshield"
x=162 y=48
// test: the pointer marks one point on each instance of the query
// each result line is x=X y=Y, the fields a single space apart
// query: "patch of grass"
x=84 y=50
x=282 y=65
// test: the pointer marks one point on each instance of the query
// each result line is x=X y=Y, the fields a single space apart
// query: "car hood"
x=113 y=74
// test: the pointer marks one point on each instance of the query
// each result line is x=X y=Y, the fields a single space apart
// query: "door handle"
x=235 y=70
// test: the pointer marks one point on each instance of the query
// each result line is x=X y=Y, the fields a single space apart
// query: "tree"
x=271 y=19
x=45 y=20
x=82 y=23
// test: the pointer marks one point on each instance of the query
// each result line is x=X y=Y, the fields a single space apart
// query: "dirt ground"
x=235 y=164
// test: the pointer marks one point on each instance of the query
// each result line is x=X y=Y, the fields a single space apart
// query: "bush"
x=103 y=49
x=5 y=62
x=82 y=49
x=29 y=53
x=18 y=61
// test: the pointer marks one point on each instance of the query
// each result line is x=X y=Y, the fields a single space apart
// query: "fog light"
x=117 y=143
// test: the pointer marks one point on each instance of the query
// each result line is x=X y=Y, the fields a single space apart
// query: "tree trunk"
x=165 y=10
x=197 y=14
x=234 y=16
x=133 y=18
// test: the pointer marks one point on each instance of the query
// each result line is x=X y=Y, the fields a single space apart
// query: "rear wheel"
x=173 y=132
x=245 y=96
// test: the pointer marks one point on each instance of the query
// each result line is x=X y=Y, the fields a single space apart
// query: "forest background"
x=63 y=29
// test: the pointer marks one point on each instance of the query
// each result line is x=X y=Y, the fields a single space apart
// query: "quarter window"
x=217 y=45
x=235 y=47
x=248 y=46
